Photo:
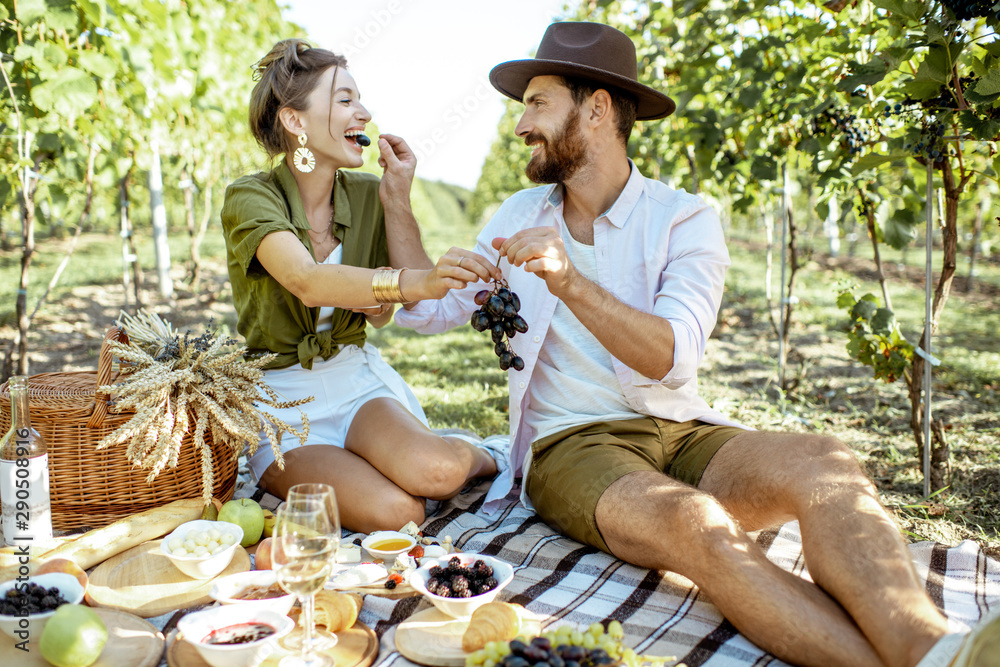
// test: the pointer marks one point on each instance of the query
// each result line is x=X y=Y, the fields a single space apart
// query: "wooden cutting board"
x=403 y=590
x=431 y=637
x=145 y=582
x=357 y=647
x=132 y=642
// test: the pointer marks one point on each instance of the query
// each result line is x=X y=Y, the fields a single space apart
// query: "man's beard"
x=562 y=156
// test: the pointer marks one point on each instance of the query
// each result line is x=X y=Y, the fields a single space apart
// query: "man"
x=620 y=280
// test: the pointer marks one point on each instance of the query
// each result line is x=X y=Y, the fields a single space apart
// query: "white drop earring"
x=305 y=161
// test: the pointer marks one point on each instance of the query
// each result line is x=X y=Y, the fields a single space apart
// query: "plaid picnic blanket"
x=663 y=614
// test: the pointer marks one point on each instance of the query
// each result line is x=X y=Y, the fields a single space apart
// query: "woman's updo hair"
x=286 y=77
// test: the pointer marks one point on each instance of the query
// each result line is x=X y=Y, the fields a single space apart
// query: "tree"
x=858 y=98
x=108 y=79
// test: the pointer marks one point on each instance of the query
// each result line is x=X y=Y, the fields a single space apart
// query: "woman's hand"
x=377 y=316
x=399 y=163
x=454 y=270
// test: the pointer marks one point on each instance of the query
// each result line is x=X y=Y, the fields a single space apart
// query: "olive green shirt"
x=271 y=318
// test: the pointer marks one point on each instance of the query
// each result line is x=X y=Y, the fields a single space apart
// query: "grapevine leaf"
x=894 y=56
x=989 y=83
x=823 y=210
x=157 y=12
x=94 y=11
x=864 y=309
x=4 y=15
x=846 y=300
x=60 y=18
x=974 y=98
x=983 y=129
x=29 y=11
x=996 y=165
x=883 y=321
x=921 y=90
x=69 y=92
x=935 y=34
x=934 y=67
x=910 y=10
x=98 y=64
x=810 y=145
x=49 y=142
x=25 y=52
x=900 y=229
x=863 y=74
x=764 y=168
x=875 y=160
x=750 y=96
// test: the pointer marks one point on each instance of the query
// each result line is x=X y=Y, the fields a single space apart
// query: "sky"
x=422 y=68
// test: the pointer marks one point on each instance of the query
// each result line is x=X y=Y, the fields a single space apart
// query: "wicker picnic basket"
x=91 y=488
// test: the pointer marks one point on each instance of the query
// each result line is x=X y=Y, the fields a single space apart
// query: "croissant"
x=494 y=621
x=337 y=611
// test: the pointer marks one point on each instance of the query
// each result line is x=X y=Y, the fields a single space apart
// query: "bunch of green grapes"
x=564 y=646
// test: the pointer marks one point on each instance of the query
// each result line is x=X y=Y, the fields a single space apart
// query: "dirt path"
x=834 y=396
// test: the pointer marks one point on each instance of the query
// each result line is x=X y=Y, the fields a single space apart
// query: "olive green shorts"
x=570 y=470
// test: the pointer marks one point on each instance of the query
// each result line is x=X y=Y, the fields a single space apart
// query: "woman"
x=307 y=246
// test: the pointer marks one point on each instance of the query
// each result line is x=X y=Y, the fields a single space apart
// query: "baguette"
x=100 y=544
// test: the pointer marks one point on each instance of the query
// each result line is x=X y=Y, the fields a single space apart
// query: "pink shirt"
x=658 y=250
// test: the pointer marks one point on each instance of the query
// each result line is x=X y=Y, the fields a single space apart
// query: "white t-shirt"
x=325 y=320
x=574 y=380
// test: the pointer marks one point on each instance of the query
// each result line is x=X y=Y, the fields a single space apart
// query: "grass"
x=456 y=378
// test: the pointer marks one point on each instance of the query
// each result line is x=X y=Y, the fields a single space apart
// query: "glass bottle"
x=24 y=475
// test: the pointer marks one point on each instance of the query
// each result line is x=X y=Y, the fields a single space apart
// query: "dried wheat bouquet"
x=169 y=378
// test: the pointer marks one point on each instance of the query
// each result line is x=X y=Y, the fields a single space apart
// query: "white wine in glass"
x=322 y=637
x=302 y=561
x=324 y=493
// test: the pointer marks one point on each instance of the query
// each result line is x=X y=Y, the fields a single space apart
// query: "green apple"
x=246 y=514
x=73 y=637
x=269 y=519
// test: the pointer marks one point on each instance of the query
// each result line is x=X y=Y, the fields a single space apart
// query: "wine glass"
x=301 y=557
x=322 y=637
x=324 y=493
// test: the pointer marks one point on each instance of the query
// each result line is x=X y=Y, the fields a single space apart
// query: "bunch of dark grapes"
x=540 y=652
x=498 y=313
x=930 y=145
x=565 y=646
x=835 y=121
x=968 y=9
x=457 y=581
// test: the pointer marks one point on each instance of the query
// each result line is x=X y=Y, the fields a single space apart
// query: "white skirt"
x=340 y=385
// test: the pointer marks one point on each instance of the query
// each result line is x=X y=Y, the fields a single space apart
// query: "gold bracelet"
x=385 y=286
x=379 y=285
x=398 y=293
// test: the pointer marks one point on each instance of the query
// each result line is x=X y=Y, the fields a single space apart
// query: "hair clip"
x=258 y=69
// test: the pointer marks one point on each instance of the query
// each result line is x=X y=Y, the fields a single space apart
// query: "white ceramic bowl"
x=387 y=555
x=197 y=626
x=68 y=586
x=461 y=607
x=226 y=587
x=207 y=566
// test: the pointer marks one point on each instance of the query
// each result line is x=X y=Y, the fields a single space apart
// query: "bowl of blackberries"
x=26 y=605
x=458 y=584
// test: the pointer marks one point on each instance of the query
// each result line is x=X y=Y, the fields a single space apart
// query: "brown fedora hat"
x=591 y=51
